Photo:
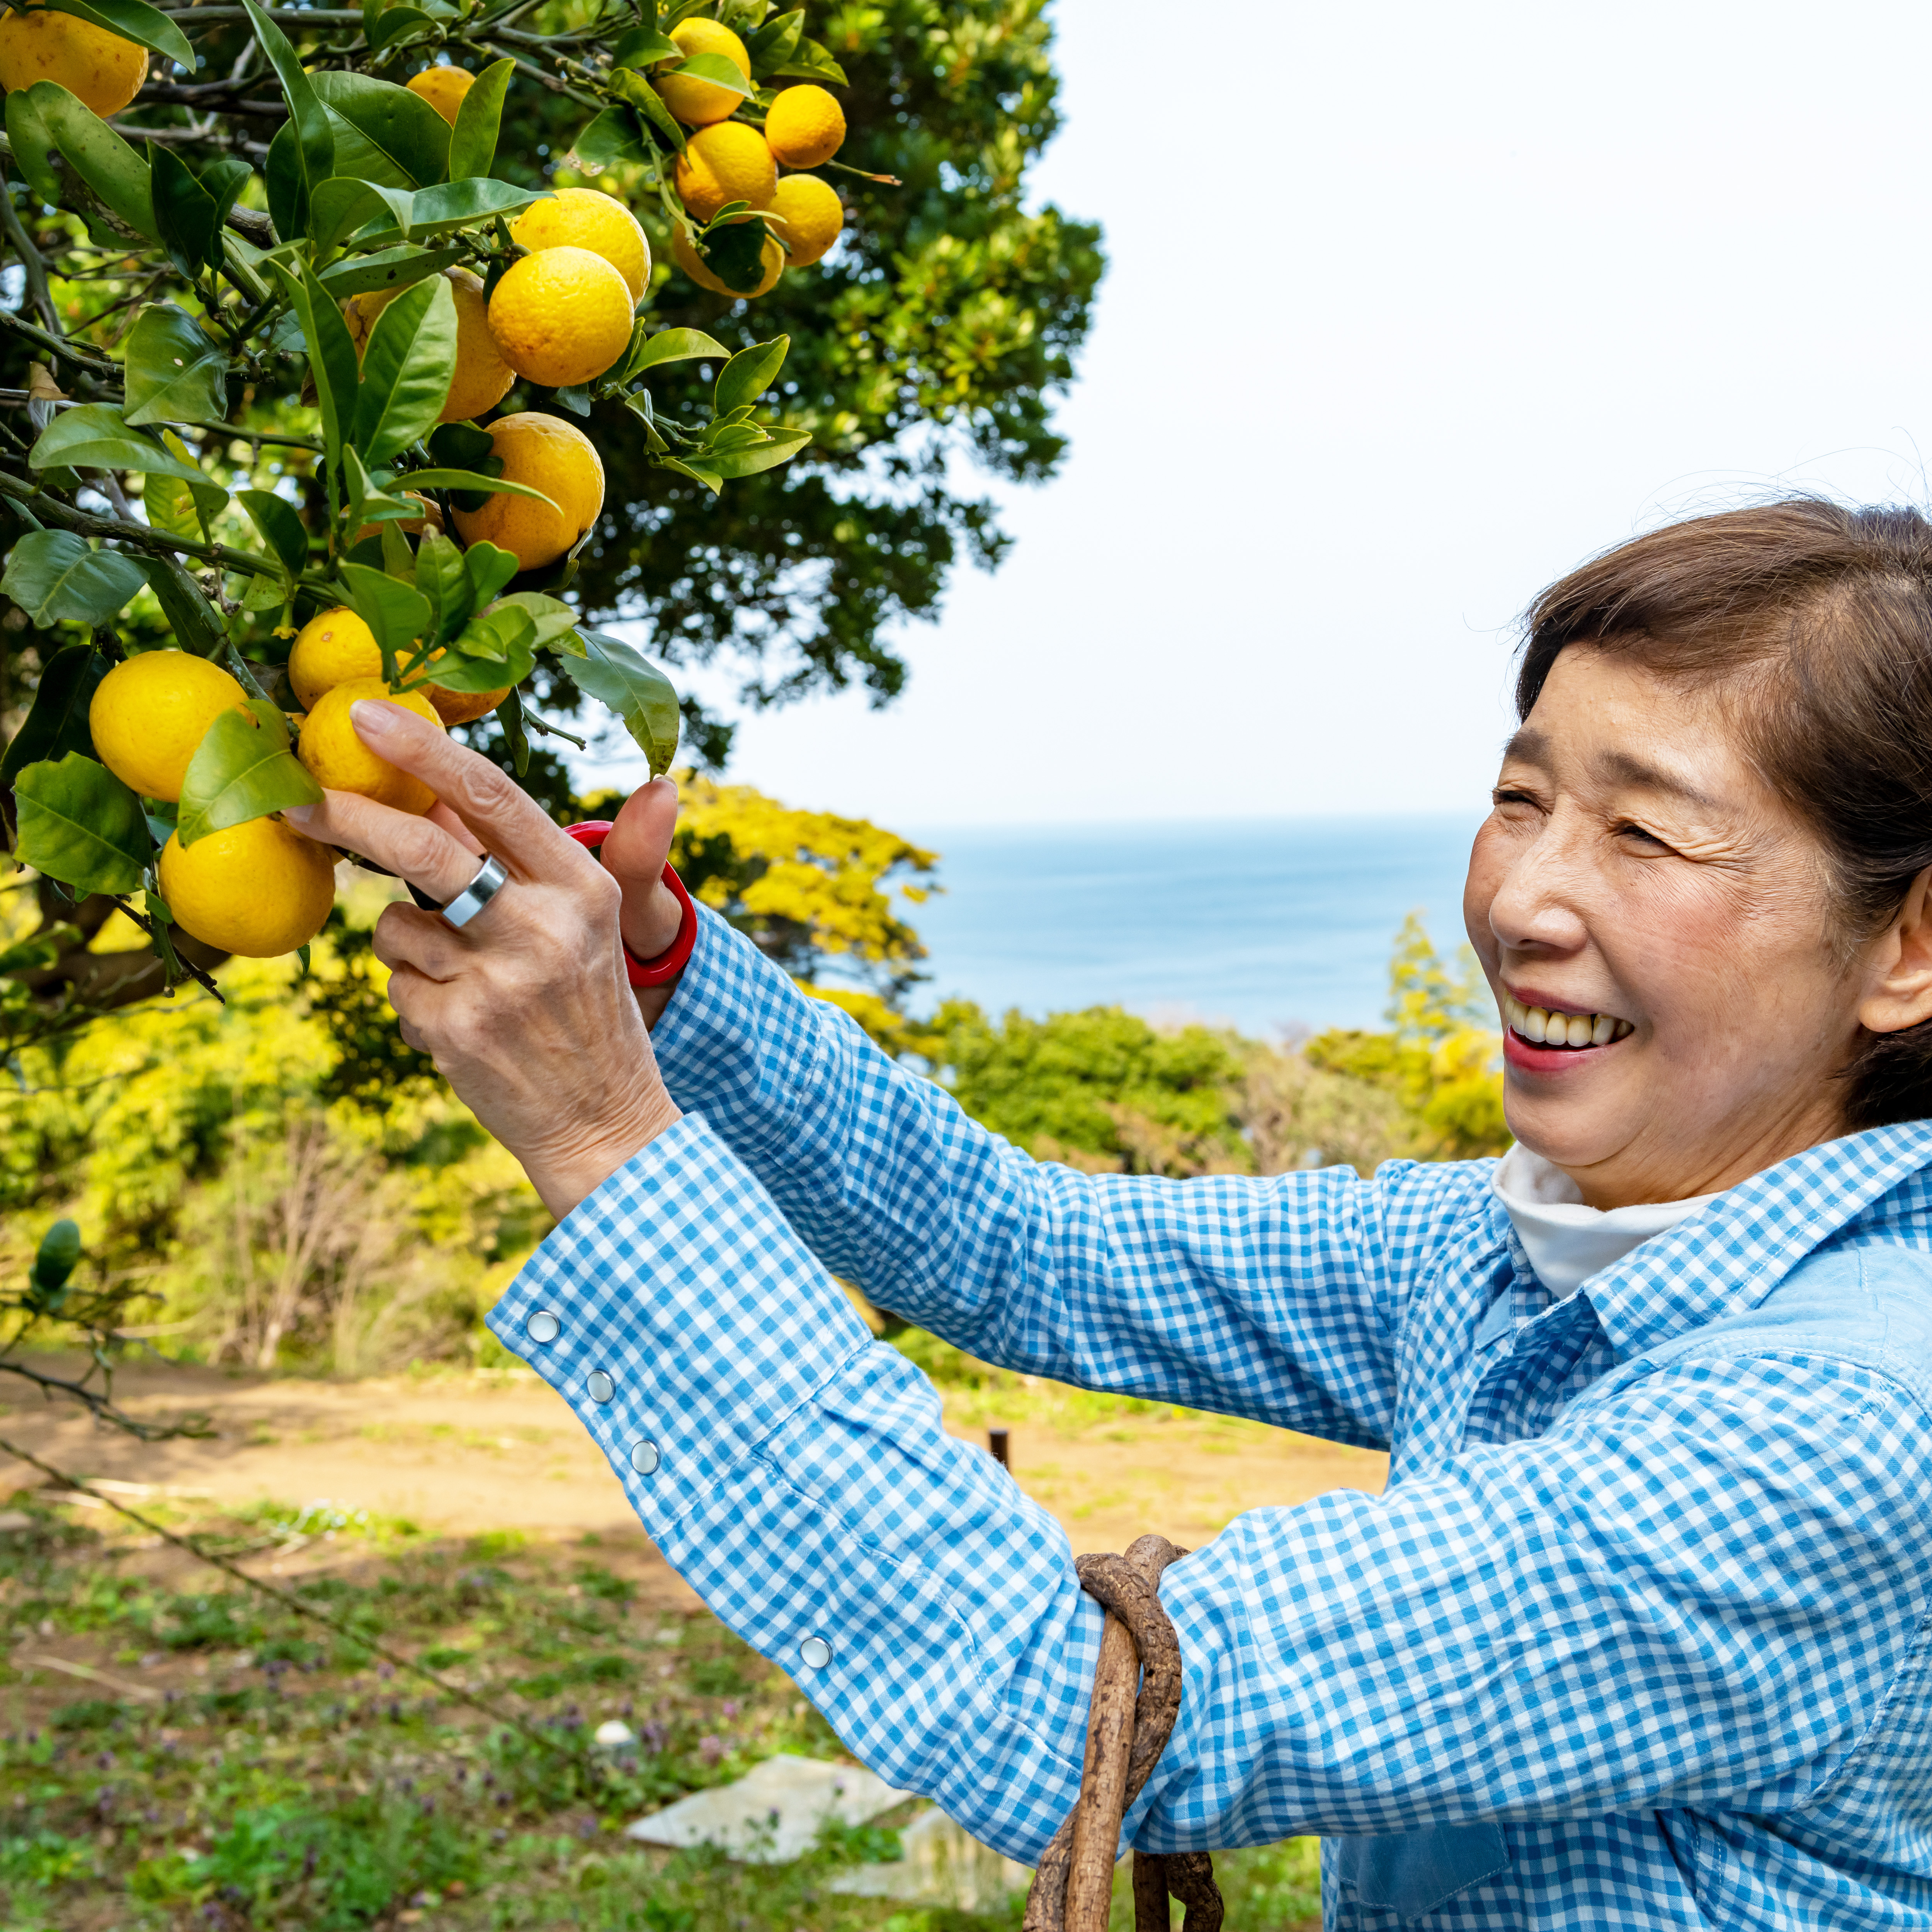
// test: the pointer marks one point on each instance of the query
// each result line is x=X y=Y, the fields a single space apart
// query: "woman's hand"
x=525 y=1010
x=634 y=852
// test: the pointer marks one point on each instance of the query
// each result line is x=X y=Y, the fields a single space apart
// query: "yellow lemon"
x=332 y=650
x=698 y=103
x=336 y=758
x=260 y=888
x=549 y=455
x=148 y=714
x=586 y=218
x=686 y=257
x=805 y=127
x=443 y=87
x=561 y=317
x=481 y=378
x=728 y=162
x=98 y=68
x=463 y=707
x=811 y=216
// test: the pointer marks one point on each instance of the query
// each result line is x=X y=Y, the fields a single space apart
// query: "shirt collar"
x=1733 y=1253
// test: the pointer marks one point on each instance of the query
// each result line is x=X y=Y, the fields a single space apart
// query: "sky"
x=1410 y=309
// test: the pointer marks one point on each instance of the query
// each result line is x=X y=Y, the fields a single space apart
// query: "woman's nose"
x=1538 y=904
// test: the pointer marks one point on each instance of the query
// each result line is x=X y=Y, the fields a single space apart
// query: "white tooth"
x=1625 y=1028
x=1602 y=1030
x=1513 y=1010
x=1535 y=1025
x=1579 y=1029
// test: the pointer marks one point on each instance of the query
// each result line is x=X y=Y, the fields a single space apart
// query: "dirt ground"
x=465 y=1453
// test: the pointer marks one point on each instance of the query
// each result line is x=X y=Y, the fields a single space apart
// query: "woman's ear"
x=1899 y=991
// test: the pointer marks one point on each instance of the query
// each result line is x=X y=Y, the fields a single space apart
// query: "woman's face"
x=1638 y=879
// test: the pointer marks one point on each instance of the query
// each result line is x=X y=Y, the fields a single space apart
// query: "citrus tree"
x=305 y=422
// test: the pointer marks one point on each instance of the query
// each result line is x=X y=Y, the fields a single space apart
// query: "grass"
x=283 y=1778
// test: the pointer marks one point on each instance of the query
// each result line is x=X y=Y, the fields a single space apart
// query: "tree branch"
x=50 y=509
x=99 y=1404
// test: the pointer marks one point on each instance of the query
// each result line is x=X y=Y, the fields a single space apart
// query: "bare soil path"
x=462 y=1454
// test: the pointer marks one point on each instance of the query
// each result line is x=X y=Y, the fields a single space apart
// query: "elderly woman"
x=1640 y=1633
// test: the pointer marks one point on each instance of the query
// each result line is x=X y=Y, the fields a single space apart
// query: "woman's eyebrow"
x=1626 y=768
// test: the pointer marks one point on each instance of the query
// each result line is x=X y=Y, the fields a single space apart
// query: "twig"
x=32 y=259
x=288 y=1600
x=59 y=345
x=50 y=509
x=551 y=731
x=100 y=1403
x=163 y=945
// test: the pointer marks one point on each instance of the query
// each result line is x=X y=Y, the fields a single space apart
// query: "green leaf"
x=735 y=253
x=675 y=345
x=610 y=138
x=407 y=370
x=288 y=191
x=53 y=576
x=643 y=47
x=510 y=718
x=331 y=354
x=133 y=20
x=57 y=1257
x=457 y=204
x=80 y=824
x=174 y=373
x=779 y=445
x=185 y=217
x=810 y=61
x=775 y=41
x=473 y=141
x=338 y=208
x=382 y=133
x=553 y=618
x=720 y=70
x=281 y=528
x=444 y=583
x=489 y=569
x=196 y=627
x=481 y=654
x=58 y=723
x=713 y=480
x=45 y=116
x=314 y=141
x=647 y=100
x=391 y=268
x=617 y=674
x=468 y=479
x=397 y=613
x=397 y=24
x=749 y=374
x=463 y=445
x=94 y=437
x=242 y=770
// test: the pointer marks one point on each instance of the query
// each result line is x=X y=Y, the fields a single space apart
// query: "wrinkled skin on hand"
x=526 y=1010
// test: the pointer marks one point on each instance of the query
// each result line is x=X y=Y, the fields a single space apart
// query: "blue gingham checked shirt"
x=1637 y=1636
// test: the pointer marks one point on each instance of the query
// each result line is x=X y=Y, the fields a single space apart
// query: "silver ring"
x=491 y=879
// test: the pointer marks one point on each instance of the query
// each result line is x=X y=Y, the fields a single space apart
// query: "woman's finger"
x=634 y=853
x=508 y=821
x=408 y=938
x=406 y=843
x=439 y=814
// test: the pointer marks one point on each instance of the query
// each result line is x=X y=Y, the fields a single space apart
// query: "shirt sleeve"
x=1696 y=1589
x=1277 y=1298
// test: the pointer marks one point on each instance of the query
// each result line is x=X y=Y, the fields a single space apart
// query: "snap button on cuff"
x=644 y=1460
x=815 y=1653
x=599 y=1387
x=542 y=1325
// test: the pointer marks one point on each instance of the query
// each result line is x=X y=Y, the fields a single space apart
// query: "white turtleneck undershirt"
x=1567 y=1243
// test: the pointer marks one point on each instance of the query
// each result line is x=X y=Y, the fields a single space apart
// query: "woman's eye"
x=1642 y=837
x=1503 y=795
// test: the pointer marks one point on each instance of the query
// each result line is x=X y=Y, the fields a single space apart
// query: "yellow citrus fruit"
x=99 y=68
x=338 y=648
x=813 y=217
x=481 y=378
x=805 y=127
x=698 y=103
x=443 y=87
x=586 y=218
x=336 y=758
x=260 y=888
x=728 y=162
x=547 y=453
x=149 y=713
x=686 y=257
x=561 y=317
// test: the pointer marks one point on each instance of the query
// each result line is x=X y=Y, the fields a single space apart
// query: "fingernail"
x=371 y=718
x=299 y=815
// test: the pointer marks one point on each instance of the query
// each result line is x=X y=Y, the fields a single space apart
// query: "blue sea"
x=1271 y=924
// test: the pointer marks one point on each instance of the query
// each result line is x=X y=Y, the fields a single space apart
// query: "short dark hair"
x=1820 y=618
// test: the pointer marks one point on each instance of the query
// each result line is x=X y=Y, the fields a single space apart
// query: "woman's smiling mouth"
x=1545 y=1029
